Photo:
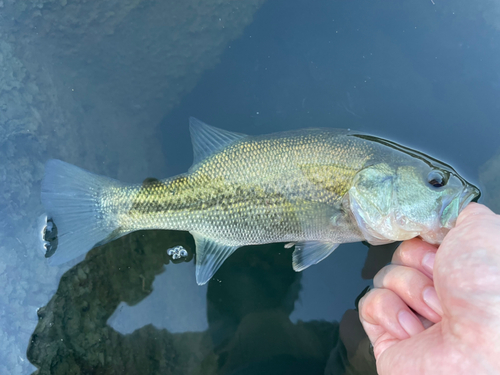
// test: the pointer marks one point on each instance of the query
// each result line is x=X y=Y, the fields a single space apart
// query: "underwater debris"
x=47 y=235
x=177 y=252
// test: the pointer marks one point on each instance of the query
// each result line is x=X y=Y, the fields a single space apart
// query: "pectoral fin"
x=209 y=257
x=308 y=253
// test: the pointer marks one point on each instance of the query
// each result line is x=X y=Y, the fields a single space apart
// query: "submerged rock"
x=73 y=336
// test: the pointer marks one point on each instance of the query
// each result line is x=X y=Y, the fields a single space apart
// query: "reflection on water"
x=249 y=302
x=176 y=303
x=73 y=336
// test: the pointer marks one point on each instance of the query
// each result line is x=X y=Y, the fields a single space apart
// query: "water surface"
x=109 y=86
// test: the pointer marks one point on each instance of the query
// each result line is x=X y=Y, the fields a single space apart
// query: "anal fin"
x=311 y=252
x=209 y=257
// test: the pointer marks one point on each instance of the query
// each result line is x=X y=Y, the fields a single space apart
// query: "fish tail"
x=71 y=197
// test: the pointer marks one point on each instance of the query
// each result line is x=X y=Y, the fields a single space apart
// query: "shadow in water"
x=249 y=302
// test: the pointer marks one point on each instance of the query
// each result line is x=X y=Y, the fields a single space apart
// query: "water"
x=109 y=86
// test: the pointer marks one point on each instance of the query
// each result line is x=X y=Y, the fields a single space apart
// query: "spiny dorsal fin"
x=209 y=257
x=208 y=139
x=311 y=252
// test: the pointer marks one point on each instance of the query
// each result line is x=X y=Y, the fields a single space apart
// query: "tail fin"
x=70 y=196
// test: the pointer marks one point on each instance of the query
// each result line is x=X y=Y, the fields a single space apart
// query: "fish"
x=313 y=189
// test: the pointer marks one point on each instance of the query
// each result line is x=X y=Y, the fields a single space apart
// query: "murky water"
x=109 y=86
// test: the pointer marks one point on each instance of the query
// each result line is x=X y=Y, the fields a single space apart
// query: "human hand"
x=437 y=311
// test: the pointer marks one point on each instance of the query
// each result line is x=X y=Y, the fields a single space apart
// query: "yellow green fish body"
x=315 y=188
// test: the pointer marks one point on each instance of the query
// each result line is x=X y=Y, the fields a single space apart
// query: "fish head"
x=405 y=200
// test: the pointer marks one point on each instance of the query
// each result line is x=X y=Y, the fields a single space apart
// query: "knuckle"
x=384 y=276
x=404 y=253
x=373 y=302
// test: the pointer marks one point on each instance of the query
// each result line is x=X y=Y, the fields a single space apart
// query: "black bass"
x=313 y=188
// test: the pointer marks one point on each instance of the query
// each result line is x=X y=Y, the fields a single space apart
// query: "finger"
x=413 y=287
x=417 y=254
x=468 y=264
x=472 y=211
x=387 y=319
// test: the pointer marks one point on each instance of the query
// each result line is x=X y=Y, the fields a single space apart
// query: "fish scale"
x=256 y=191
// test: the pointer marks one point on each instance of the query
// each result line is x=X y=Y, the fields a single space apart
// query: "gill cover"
x=370 y=201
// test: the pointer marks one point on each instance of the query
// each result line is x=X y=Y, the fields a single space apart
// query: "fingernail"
x=409 y=322
x=428 y=262
x=431 y=299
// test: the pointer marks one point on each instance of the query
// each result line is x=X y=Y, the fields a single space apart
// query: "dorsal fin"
x=208 y=139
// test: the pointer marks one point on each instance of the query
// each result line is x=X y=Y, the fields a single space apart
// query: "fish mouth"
x=449 y=214
x=470 y=194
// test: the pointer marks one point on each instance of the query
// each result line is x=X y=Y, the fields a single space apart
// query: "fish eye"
x=436 y=179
